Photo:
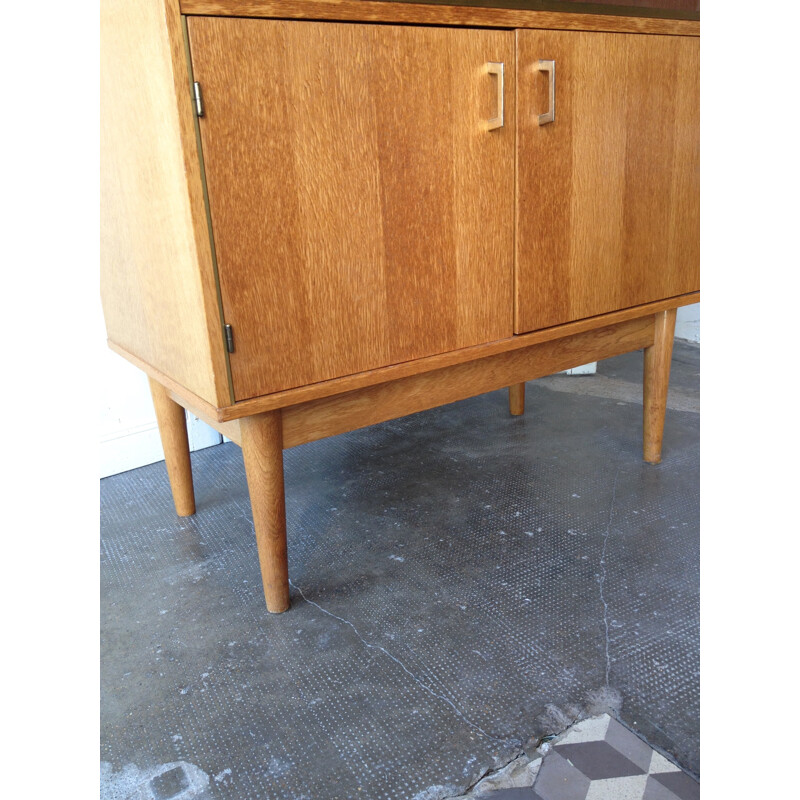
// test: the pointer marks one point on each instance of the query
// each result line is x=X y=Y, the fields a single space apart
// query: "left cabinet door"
x=362 y=207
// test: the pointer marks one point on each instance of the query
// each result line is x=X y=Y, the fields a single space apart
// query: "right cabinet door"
x=608 y=192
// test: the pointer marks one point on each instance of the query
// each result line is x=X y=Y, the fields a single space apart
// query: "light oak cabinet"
x=608 y=193
x=363 y=212
x=312 y=222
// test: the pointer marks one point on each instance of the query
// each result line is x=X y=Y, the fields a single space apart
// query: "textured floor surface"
x=462 y=580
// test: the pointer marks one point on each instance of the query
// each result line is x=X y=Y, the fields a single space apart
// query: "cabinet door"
x=362 y=209
x=607 y=193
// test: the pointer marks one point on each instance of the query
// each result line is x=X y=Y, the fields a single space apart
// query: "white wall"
x=128 y=430
x=687 y=326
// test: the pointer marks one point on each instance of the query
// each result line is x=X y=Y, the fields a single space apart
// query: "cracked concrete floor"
x=458 y=577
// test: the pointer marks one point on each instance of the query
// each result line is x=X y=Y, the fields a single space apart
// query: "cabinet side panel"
x=157 y=275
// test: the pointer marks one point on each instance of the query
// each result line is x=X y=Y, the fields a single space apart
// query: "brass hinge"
x=229 y=338
x=198 y=100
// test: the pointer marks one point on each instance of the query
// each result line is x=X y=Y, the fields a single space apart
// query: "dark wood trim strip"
x=426 y=14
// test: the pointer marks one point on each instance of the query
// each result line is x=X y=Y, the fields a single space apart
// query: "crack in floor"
x=602 y=579
x=503 y=740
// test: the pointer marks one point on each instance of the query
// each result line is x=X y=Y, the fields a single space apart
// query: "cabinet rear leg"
x=171 y=420
x=657 y=360
x=262 y=447
x=516 y=399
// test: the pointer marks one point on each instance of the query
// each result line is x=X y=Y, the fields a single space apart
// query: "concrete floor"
x=463 y=582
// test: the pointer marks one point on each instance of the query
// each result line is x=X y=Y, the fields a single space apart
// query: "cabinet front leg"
x=516 y=399
x=657 y=360
x=171 y=420
x=262 y=447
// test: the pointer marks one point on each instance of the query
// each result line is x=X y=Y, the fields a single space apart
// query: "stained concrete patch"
x=437 y=792
x=176 y=781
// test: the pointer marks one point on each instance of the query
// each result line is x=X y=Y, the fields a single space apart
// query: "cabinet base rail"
x=264 y=436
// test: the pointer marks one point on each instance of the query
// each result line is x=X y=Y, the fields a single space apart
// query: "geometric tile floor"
x=599 y=759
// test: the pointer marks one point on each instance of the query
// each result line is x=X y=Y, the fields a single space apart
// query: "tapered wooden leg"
x=171 y=420
x=262 y=447
x=657 y=360
x=516 y=399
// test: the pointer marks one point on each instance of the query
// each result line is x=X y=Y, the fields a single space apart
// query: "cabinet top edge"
x=479 y=13
x=663 y=9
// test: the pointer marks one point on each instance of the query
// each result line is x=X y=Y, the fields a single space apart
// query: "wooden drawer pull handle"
x=550 y=68
x=497 y=68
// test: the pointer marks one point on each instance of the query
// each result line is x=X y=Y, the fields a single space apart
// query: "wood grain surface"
x=262 y=450
x=374 y=377
x=315 y=418
x=333 y=415
x=634 y=5
x=156 y=279
x=657 y=365
x=363 y=215
x=516 y=399
x=572 y=6
x=427 y=14
x=608 y=194
x=171 y=421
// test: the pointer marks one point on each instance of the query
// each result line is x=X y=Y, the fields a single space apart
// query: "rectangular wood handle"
x=550 y=68
x=497 y=68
